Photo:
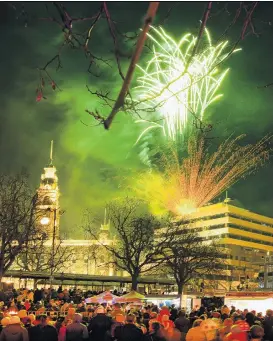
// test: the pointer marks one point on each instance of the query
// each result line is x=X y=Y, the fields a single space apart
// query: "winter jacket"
x=268 y=328
x=128 y=332
x=76 y=332
x=43 y=333
x=98 y=327
x=182 y=324
x=14 y=332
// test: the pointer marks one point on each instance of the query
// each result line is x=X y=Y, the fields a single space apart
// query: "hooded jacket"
x=14 y=332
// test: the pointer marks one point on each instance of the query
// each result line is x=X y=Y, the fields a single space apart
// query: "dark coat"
x=128 y=332
x=153 y=337
x=98 y=327
x=182 y=324
x=76 y=332
x=14 y=332
x=268 y=328
x=46 y=333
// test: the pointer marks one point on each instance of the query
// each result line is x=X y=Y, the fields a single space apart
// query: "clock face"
x=45 y=221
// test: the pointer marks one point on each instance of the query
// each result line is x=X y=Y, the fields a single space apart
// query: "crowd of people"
x=62 y=315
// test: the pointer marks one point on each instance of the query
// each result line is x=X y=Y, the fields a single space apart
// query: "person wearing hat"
x=43 y=331
x=99 y=325
x=14 y=331
x=76 y=330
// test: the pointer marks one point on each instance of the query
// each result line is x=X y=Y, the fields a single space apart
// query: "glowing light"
x=173 y=86
x=181 y=185
x=45 y=221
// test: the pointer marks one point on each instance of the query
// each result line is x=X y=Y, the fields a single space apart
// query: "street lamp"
x=45 y=221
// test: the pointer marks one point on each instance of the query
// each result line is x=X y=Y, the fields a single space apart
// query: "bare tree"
x=135 y=248
x=41 y=256
x=189 y=257
x=17 y=218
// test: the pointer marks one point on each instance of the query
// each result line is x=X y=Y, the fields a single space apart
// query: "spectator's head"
x=130 y=319
x=155 y=327
x=216 y=315
x=269 y=312
x=182 y=313
x=100 y=310
x=256 y=332
x=116 y=306
x=120 y=318
x=31 y=317
x=15 y=320
x=228 y=322
x=250 y=318
x=42 y=319
x=77 y=318
x=197 y=323
x=237 y=317
x=153 y=315
x=165 y=318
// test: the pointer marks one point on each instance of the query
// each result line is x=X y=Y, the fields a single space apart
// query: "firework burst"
x=175 y=85
x=180 y=185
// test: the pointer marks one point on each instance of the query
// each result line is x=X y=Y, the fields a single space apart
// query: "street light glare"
x=45 y=221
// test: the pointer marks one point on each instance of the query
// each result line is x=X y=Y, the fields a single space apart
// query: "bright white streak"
x=176 y=93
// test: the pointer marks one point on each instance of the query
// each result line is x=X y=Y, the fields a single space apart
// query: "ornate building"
x=48 y=199
x=247 y=236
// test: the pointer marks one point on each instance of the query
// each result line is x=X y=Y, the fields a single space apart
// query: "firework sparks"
x=174 y=88
x=185 y=184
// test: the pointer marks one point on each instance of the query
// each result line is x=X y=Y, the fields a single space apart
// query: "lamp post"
x=45 y=221
x=53 y=246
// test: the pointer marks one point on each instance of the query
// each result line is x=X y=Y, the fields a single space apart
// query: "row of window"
x=249 y=220
x=247 y=229
x=233 y=215
x=234 y=236
x=238 y=227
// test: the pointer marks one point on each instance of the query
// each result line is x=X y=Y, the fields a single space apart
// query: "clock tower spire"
x=48 y=199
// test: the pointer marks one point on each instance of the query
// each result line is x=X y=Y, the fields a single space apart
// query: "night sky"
x=92 y=162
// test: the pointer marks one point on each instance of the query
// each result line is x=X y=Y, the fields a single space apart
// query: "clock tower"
x=48 y=200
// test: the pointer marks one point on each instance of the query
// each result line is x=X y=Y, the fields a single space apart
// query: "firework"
x=174 y=86
x=182 y=184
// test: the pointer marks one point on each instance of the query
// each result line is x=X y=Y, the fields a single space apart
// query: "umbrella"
x=107 y=296
x=132 y=296
x=93 y=299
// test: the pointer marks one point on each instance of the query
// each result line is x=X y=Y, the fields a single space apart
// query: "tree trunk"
x=134 y=282
x=180 y=293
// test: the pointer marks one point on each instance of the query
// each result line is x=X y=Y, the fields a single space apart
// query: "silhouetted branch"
x=124 y=90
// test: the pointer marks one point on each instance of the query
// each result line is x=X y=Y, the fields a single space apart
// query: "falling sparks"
x=175 y=85
x=181 y=185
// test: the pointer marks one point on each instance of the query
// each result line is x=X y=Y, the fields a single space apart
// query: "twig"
x=200 y=34
x=124 y=90
x=112 y=32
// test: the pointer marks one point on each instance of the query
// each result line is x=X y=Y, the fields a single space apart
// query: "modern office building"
x=247 y=238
